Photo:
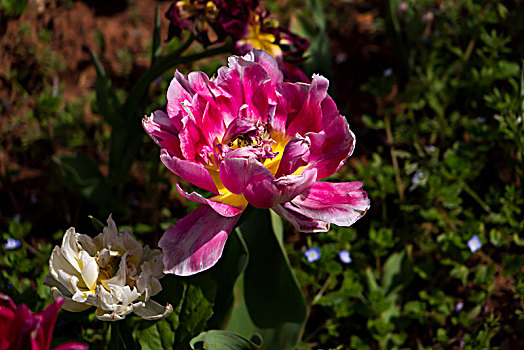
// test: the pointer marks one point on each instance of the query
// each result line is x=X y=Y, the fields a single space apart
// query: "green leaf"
x=371 y=280
x=225 y=273
x=106 y=99
x=158 y=335
x=392 y=270
x=278 y=227
x=99 y=226
x=156 y=49
x=81 y=175
x=223 y=340
x=268 y=299
x=192 y=299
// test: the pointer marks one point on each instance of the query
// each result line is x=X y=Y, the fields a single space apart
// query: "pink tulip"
x=250 y=138
x=21 y=329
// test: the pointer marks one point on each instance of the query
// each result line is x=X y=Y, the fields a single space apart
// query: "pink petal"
x=195 y=242
x=300 y=221
x=338 y=203
x=309 y=118
x=264 y=191
x=221 y=208
x=47 y=319
x=330 y=149
x=191 y=138
x=235 y=173
x=291 y=186
x=254 y=78
x=290 y=101
x=261 y=190
x=163 y=132
x=72 y=345
x=177 y=93
x=189 y=171
x=199 y=83
x=295 y=155
x=268 y=62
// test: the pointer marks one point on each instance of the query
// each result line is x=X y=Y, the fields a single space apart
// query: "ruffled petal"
x=195 y=242
x=290 y=186
x=160 y=128
x=309 y=118
x=178 y=93
x=153 y=310
x=330 y=149
x=295 y=155
x=261 y=190
x=299 y=220
x=72 y=345
x=48 y=319
x=338 y=203
x=235 y=173
x=189 y=171
x=221 y=208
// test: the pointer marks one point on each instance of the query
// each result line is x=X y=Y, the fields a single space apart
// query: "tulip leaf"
x=192 y=299
x=156 y=48
x=268 y=299
x=223 y=340
x=159 y=335
x=225 y=273
x=108 y=103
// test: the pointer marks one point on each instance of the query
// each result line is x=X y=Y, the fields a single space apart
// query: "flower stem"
x=115 y=342
x=160 y=66
x=389 y=135
x=322 y=290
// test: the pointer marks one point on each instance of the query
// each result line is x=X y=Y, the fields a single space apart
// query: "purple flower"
x=211 y=21
x=474 y=244
x=430 y=148
x=419 y=175
x=12 y=244
x=312 y=254
x=344 y=257
x=459 y=306
x=21 y=329
x=250 y=138
x=266 y=34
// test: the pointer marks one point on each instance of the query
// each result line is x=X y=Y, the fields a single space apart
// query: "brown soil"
x=73 y=29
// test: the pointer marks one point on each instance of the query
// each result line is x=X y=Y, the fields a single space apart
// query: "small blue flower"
x=388 y=72
x=344 y=257
x=459 y=306
x=430 y=148
x=312 y=254
x=419 y=175
x=12 y=244
x=474 y=244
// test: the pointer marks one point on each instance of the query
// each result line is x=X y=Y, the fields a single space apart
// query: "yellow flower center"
x=272 y=164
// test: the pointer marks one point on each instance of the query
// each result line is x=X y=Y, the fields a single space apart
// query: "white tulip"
x=112 y=272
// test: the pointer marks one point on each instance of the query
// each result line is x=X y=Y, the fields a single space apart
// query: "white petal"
x=88 y=244
x=69 y=304
x=70 y=247
x=89 y=269
x=153 y=310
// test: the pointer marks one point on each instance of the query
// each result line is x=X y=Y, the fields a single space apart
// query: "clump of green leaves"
x=445 y=165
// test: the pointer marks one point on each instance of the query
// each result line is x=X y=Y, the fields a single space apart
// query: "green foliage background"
x=434 y=93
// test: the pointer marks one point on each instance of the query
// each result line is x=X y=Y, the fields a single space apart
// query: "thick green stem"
x=115 y=343
x=159 y=67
